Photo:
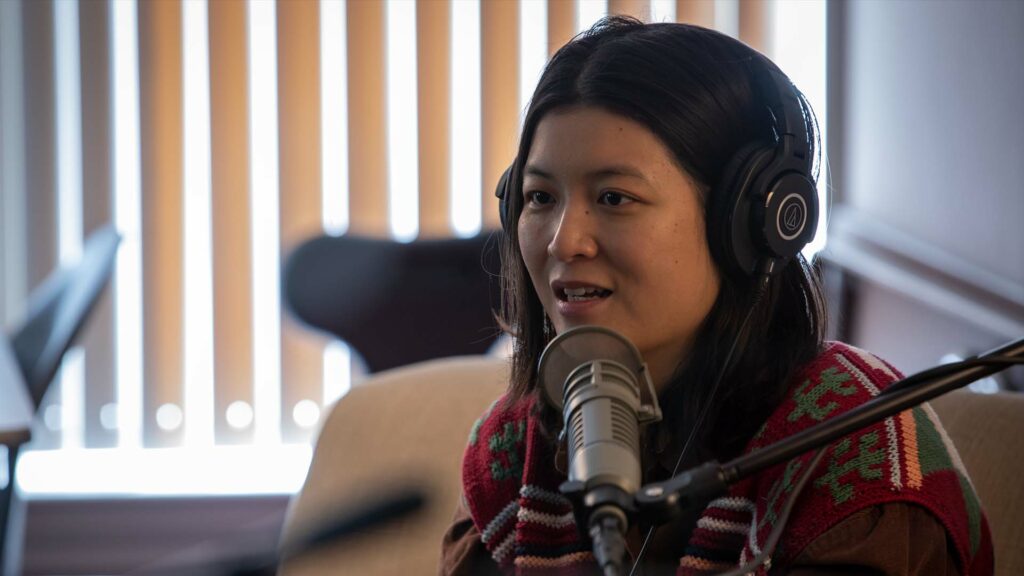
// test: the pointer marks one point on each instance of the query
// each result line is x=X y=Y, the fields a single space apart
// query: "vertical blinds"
x=218 y=136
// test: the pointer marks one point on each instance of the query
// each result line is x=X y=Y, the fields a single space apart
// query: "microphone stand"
x=661 y=501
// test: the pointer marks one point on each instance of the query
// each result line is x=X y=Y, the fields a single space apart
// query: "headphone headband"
x=787 y=114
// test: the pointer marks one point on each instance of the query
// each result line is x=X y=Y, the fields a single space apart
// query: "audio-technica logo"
x=792 y=217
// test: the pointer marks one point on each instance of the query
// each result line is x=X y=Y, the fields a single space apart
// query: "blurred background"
x=217 y=136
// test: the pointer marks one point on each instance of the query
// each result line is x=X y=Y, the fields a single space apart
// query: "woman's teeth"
x=582 y=294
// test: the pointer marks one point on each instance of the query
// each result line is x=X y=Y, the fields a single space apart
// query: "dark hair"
x=692 y=88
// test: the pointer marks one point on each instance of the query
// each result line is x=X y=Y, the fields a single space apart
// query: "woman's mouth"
x=582 y=294
x=579 y=301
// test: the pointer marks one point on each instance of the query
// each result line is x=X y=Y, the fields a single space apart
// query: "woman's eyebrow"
x=618 y=170
x=534 y=170
x=613 y=170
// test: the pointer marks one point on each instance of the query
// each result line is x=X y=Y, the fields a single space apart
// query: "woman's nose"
x=574 y=235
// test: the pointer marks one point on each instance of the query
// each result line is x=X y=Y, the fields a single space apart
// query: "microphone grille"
x=624 y=424
x=576 y=432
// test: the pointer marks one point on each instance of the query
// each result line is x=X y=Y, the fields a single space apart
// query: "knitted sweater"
x=511 y=484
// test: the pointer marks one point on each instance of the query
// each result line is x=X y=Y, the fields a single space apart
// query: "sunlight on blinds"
x=466 y=118
x=334 y=116
x=588 y=12
x=727 y=17
x=403 y=163
x=198 y=357
x=72 y=399
x=69 y=132
x=71 y=382
x=533 y=50
x=263 y=151
x=127 y=275
x=663 y=10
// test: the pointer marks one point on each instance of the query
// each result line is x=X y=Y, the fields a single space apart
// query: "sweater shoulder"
x=492 y=466
x=905 y=458
x=872 y=372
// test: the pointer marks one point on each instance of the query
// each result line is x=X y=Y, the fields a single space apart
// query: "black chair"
x=57 y=311
x=397 y=303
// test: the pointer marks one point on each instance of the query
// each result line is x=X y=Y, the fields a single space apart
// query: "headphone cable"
x=763 y=280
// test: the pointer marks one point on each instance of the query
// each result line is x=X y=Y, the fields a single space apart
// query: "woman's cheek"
x=531 y=237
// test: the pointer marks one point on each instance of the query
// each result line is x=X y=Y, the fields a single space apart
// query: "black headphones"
x=764 y=209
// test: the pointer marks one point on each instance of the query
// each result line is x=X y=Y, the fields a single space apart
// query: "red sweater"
x=511 y=484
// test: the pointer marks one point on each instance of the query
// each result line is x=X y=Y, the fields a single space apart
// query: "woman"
x=642 y=163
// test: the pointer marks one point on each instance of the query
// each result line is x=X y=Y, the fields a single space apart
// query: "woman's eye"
x=614 y=199
x=539 y=198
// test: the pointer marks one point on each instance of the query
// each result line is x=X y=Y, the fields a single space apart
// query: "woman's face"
x=612 y=234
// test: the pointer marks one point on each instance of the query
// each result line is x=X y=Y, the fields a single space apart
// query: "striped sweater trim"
x=717 y=525
x=547 y=514
x=536 y=493
x=860 y=376
x=494 y=526
x=549 y=520
x=501 y=551
x=559 y=562
x=545 y=549
x=892 y=439
x=873 y=361
x=696 y=563
x=908 y=430
x=725 y=520
x=733 y=503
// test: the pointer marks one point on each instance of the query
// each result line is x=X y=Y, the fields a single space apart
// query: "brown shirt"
x=891 y=538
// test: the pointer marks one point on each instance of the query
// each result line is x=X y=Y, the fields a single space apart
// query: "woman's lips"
x=573 y=308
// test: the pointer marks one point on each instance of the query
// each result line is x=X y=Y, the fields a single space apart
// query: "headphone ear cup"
x=502 y=192
x=730 y=215
x=789 y=214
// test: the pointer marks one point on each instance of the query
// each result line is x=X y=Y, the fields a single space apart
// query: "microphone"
x=599 y=381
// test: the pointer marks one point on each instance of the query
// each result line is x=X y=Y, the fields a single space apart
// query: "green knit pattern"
x=809 y=398
x=781 y=486
x=506 y=441
x=867 y=463
x=931 y=450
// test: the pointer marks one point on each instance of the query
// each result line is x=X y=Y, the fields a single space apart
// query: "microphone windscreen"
x=573 y=348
